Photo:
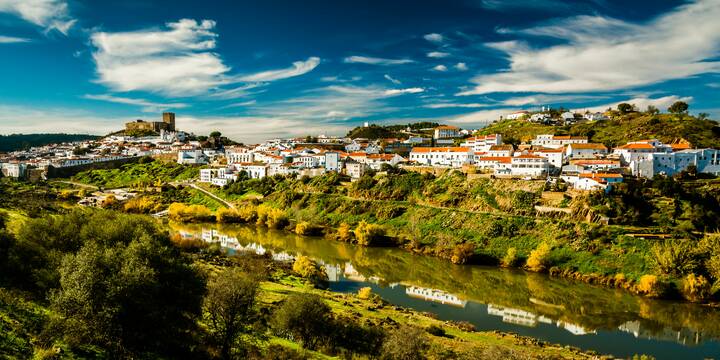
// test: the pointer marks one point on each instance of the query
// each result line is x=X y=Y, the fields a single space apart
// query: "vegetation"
x=14 y=142
x=624 y=126
x=147 y=172
x=388 y=131
x=189 y=213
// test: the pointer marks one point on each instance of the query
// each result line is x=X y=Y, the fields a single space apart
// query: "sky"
x=263 y=69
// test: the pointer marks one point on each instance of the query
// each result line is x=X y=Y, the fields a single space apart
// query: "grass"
x=142 y=173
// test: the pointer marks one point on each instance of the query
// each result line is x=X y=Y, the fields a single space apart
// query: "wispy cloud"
x=147 y=106
x=437 y=54
x=298 y=68
x=49 y=14
x=545 y=99
x=375 y=60
x=434 y=37
x=456 y=105
x=12 y=39
x=175 y=61
x=392 y=80
x=642 y=103
x=441 y=68
x=621 y=55
x=461 y=66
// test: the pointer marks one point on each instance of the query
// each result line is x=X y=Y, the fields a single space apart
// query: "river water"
x=560 y=311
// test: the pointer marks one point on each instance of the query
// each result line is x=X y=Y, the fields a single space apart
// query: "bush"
x=462 y=253
x=303 y=228
x=405 y=343
x=344 y=232
x=271 y=217
x=228 y=216
x=650 y=286
x=369 y=234
x=305 y=318
x=435 y=330
x=674 y=257
x=193 y=213
x=309 y=269
x=365 y=293
x=539 y=258
x=510 y=259
x=696 y=288
x=141 y=205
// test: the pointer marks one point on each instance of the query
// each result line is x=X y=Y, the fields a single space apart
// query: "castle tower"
x=169 y=119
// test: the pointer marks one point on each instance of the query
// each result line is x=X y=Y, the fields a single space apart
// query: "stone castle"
x=167 y=124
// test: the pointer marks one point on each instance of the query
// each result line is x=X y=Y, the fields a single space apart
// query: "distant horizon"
x=285 y=69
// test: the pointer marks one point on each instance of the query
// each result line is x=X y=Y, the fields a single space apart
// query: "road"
x=221 y=200
x=77 y=184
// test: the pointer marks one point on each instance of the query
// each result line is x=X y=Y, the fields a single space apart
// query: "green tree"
x=215 y=134
x=405 y=343
x=652 y=110
x=306 y=318
x=229 y=307
x=678 y=107
x=625 y=108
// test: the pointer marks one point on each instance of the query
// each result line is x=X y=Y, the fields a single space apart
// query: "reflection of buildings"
x=230 y=242
x=517 y=316
x=351 y=274
x=334 y=272
x=526 y=318
x=434 y=295
x=683 y=336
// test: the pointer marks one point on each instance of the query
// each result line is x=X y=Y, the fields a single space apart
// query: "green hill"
x=619 y=130
x=388 y=131
x=25 y=141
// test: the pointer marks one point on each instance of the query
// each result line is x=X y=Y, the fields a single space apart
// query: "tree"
x=215 y=134
x=625 y=108
x=539 y=258
x=405 y=343
x=229 y=307
x=652 y=110
x=703 y=116
x=678 y=107
x=368 y=234
x=306 y=318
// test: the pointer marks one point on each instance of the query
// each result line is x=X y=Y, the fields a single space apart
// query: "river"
x=560 y=311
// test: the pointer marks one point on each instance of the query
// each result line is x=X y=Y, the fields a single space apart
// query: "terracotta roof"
x=381 y=156
x=500 y=159
x=358 y=154
x=589 y=146
x=637 y=146
x=601 y=175
x=440 y=149
x=546 y=150
x=682 y=146
x=568 y=137
x=501 y=147
x=447 y=127
x=528 y=156
x=596 y=162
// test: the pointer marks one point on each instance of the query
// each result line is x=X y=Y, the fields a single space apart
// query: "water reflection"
x=590 y=317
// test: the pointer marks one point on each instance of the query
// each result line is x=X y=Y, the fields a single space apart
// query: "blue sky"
x=263 y=69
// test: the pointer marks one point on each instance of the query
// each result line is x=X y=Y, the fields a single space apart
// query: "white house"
x=596 y=116
x=446 y=132
x=705 y=160
x=355 y=169
x=596 y=181
x=554 y=156
x=557 y=141
x=597 y=164
x=586 y=151
x=254 y=171
x=332 y=161
x=499 y=165
x=14 y=170
x=568 y=117
x=529 y=165
x=239 y=155
x=482 y=143
x=501 y=150
x=540 y=118
x=516 y=115
x=442 y=156
x=191 y=157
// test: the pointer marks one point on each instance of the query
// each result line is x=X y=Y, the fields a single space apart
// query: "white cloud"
x=481 y=118
x=461 y=66
x=392 y=80
x=12 y=39
x=642 y=103
x=175 y=61
x=619 y=54
x=437 y=54
x=441 y=68
x=298 y=68
x=455 y=105
x=413 y=90
x=434 y=37
x=147 y=106
x=50 y=14
x=375 y=61
x=713 y=85
x=544 y=99
x=240 y=104
x=16 y=119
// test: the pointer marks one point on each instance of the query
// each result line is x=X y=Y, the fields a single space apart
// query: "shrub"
x=303 y=228
x=674 y=257
x=435 y=330
x=140 y=205
x=365 y=293
x=276 y=218
x=109 y=202
x=406 y=343
x=228 y=216
x=192 y=213
x=510 y=259
x=539 y=258
x=308 y=268
x=306 y=318
x=369 y=234
x=344 y=232
x=696 y=288
x=462 y=253
x=248 y=213
x=650 y=286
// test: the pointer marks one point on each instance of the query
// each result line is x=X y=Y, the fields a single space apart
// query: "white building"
x=705 y=160
x=332 y=161
x=517 y=115
x=442 y=156
x=596 y=116
x=355 y=169
x=586 y=151
x=593 y=181
x=446 y=132
x=554 y=156
x=239 y=155
x=501 y=150
x=529 y=165
x=482 y=143
x=557 y=141
x=192 y=157
x=540 y=118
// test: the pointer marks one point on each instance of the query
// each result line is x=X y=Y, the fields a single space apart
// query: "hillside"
x=388 y=131
x=24 y=141
x=629 y=127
